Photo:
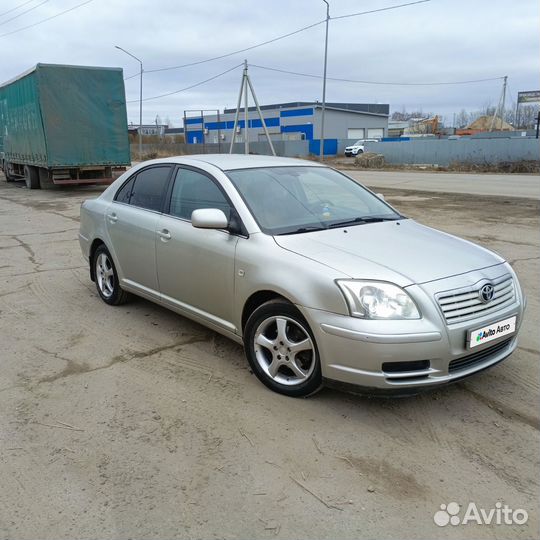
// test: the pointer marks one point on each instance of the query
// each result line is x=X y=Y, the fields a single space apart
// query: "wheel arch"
x=257 y=299
x=93 y=248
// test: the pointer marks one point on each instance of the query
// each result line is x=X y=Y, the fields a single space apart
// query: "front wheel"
x=282 y=351
x=107 y=282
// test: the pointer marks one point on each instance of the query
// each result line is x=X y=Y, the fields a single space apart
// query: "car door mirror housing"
x=209 y=218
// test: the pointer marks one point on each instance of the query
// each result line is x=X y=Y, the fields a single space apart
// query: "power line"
x=21 y=14
x=231 y=53
x=16 y=7
x=187 y=87
x=382 y=83
x=47 y=19
x=279 y=38
x=380 y=9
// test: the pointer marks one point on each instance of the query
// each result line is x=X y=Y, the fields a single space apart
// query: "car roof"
x=227 y=162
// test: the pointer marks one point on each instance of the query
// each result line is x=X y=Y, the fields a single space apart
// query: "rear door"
x=132 y=220
x=196 y=266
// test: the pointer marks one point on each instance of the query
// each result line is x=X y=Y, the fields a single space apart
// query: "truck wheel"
x=8 y=176
x=31 y=177
x=45 y=181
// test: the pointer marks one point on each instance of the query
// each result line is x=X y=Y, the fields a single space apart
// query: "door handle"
x=113 y=218
x=164 y=234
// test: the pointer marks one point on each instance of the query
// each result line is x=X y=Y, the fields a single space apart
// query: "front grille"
x=464 y=304
x=477 y=357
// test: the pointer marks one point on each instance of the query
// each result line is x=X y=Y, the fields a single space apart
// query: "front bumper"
x=406 y=356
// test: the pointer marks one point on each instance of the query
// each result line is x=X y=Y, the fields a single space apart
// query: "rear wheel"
x=31 y=177
x=7 y=174
x=107 y=282
x=45 y=181
x=282 y=351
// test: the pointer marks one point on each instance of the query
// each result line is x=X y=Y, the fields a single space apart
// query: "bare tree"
x=404 y=115
x=527 y=116
x=462 y=119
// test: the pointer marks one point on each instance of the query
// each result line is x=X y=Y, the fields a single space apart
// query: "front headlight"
x=377 y=300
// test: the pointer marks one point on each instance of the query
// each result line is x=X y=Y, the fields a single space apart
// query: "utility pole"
x=140 y=97
x=503 y=97
x=500 y=106
x=246 y=114
x=246 y=85
x=321 y=152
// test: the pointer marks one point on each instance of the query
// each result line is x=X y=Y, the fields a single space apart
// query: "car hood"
x=403 y=251
x=353 y=147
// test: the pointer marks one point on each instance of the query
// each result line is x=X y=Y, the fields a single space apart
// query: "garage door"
x=375 y=133
x=355 y=133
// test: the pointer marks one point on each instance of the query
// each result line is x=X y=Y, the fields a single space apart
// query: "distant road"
x=501 y=185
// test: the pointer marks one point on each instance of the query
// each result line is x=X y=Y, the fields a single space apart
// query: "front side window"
x=286 y=200
x=145 y=189
x=193 y=190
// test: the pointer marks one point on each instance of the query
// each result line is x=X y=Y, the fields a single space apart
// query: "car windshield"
x=289 y=200
x=359 y=142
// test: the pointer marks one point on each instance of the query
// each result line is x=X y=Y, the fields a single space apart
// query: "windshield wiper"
x=303 y=230
x=361 y=220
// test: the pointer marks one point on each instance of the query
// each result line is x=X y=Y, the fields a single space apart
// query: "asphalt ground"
x=133 y=422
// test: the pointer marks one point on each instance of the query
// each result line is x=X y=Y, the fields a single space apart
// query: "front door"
x=196 y=266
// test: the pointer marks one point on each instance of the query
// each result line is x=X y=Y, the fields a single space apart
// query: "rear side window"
x=146 y=189
x=124 y=193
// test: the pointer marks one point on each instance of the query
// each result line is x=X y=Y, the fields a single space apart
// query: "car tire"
x=106 y=277
x=282 y=350
x=31 y=177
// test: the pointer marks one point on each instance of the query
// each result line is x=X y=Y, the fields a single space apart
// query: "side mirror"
x=209 y=218
x=381 y=196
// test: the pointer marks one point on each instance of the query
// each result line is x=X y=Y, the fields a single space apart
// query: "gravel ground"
x=135 y=422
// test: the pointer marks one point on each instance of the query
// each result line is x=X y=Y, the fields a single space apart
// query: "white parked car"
x=357 y=147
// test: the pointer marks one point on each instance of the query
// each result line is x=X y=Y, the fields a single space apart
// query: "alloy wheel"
x=284 y=350
x=105 y=275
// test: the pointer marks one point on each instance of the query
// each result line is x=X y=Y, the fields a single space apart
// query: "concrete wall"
x=444 y=151
x=282 y=148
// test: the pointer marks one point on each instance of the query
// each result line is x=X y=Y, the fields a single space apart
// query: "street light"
x=140 y=98
x=321 y=152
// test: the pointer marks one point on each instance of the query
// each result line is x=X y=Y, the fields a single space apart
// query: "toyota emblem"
x=486 y=293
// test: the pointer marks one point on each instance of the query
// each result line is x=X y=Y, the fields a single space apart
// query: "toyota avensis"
x=317 y=276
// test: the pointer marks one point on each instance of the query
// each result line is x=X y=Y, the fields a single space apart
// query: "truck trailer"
x=64 y=125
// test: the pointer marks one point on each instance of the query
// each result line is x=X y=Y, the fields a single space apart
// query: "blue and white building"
x=294 y=121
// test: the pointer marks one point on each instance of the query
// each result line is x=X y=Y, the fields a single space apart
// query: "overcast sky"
x=441 y=40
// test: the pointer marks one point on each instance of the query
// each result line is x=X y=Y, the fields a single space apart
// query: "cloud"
x=443 y=40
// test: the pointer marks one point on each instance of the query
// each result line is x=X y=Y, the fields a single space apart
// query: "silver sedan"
x=318 y=277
